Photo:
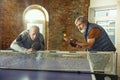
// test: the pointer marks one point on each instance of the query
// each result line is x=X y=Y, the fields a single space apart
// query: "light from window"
x=105 y=13
x=112 y=13
x=34 y=15
x=106 y=18
x=100 y=13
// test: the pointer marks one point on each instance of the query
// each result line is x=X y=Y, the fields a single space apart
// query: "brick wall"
x=62 y=14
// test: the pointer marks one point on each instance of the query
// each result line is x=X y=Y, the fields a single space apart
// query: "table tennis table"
x=45 y=65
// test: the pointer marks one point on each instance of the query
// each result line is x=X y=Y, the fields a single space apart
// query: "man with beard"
x=96 y=38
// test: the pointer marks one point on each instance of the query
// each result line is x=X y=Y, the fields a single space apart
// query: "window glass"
x=106 y=18
x=112 y=13
x=101 y=13
x=34 y=15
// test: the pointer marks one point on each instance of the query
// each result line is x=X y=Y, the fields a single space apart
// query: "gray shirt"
x=24 y=42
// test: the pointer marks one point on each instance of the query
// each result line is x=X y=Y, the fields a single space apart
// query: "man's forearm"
x=16 y=47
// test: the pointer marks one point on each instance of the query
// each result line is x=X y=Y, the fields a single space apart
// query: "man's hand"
x=73 y=42
x=66 y=39
x=36 y=46
x=30 y=51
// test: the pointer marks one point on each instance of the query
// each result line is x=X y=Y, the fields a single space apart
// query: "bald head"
x=34 y=28
x=33 y=31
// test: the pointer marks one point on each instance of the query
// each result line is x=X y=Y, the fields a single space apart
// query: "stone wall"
x=62 y=14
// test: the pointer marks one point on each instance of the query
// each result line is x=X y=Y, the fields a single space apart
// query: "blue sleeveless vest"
x=103 y=42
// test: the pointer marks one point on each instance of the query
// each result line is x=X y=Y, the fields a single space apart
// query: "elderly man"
x=28 y=41
x=95 y=36
x=96 y=39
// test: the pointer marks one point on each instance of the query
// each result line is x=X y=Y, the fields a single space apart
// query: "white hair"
x=81 y=18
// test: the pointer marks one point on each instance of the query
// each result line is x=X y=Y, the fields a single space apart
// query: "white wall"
x=118 y=36
x=99 y=3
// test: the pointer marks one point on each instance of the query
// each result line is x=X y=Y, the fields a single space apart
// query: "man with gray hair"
x=95 y=36
x=96 y=40
x=29 y=41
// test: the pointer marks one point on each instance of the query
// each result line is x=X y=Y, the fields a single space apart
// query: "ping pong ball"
x=64 y=35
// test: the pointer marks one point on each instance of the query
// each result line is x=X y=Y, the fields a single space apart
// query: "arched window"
x=36 y=15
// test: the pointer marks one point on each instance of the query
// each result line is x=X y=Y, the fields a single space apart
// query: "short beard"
x=83 y=30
